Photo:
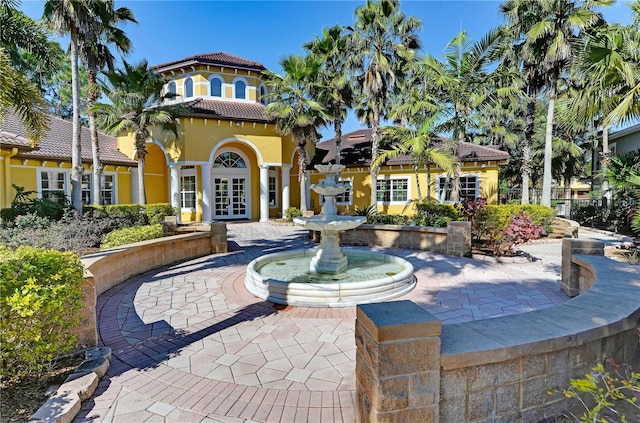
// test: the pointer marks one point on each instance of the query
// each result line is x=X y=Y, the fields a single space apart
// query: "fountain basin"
x=334 y=223
x=285 y=278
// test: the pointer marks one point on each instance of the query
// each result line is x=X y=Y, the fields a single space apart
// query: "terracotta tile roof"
x=219 y=58
x=56 y=145
x=356 y=151
x=225 y=110
x=12 y=140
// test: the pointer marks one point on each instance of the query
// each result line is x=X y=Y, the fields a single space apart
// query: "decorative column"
x=134 y=185
x=175 y=190
x=286 y=180
x=206 y=193
x=307 y=187
x=264 y=193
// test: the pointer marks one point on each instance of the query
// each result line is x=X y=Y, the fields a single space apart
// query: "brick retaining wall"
x=500 y=369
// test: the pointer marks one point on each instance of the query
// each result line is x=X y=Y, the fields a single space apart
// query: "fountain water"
x=328 y=276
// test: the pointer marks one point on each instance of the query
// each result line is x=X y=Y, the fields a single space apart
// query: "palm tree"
x=463 y=85
x=550 y=41
x=135 y=95
x=294 y=109
x=94 y=51
x=419 y=143
x=73 y=17
x=17 y=93
x=333 y=89
x=383 y=40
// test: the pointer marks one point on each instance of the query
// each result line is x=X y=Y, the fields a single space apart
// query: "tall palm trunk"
x=302 y=172
x=415 y=170
x=548 y=148
x=92 y=97
x=142 y=158
x=429 y=183
x=526 y=149
x=76 y=149
x=375 y=170
x=604 y=187
x=337 y=124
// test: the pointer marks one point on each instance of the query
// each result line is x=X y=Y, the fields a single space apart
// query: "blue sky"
x=267 y=31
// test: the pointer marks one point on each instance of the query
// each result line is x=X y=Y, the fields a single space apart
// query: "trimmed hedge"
x=435 y=214
x=388 y=219
x=39 y=304
x=132 y=214
x=130 y=235
x=499 y=216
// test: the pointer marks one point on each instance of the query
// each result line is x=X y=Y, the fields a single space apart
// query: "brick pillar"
x=397 y=363
x=459 y=238
x=218 y=237
x=570 y=270
x=87 y=331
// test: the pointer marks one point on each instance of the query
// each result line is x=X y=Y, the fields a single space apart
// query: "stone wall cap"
x=396 y=320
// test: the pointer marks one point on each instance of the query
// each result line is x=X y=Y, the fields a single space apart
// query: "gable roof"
x=219 y=58
x=237 y=110
x=57 y=143
x=355 y=150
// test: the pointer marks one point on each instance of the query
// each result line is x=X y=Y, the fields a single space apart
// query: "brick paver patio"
x=190 y=344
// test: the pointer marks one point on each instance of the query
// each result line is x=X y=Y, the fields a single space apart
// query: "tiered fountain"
x=328 y=276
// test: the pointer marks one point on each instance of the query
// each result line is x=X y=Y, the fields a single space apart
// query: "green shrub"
x=39 y=303
x=435 y=214
x=388 y=219
x=23 y=203
x=291 y=213
x=128 y=214
x=130 y=235
x=68 y=234
x=499 y=216
x=157 y=212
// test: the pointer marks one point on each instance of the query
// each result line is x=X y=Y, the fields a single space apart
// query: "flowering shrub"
x=40 y=297
x=519 y=230
x=475 y=211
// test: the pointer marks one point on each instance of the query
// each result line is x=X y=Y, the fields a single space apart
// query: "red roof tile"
x=218 y=58
x=225 y=110
x=56 y=145
x=356 y=151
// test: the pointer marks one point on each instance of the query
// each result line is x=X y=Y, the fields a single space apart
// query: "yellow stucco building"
x=228 y=161
x=46 y=167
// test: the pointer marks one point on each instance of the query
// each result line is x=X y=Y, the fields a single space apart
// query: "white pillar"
x=307 y=187
x=264 y=193
x=286 y=180
x=206 y=193
x=134 y=185
x=175 y=190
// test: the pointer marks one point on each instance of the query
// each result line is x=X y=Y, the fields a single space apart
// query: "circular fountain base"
x=285 y=278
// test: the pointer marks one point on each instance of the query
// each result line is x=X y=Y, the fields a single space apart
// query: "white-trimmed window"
x=172 y=91
x=273 y=188
x=108 y=190
x=188 y=87
x=469 y=187
x=393 y=190
x=263 y=94
x=215 y=86
x=240 y=86
x=188 y=187
x=53 y=185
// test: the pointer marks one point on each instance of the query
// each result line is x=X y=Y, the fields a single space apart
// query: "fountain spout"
x=329 y=258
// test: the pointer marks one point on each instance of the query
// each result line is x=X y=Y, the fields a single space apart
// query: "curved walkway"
x=190 y=344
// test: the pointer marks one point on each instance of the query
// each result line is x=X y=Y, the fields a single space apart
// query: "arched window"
x=216 y=87
x=188 y=88
x=229 y=159
x=171 y=91
x=240 y=89
x=263 y=93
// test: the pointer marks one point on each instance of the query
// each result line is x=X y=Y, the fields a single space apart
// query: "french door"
x=230 y=197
